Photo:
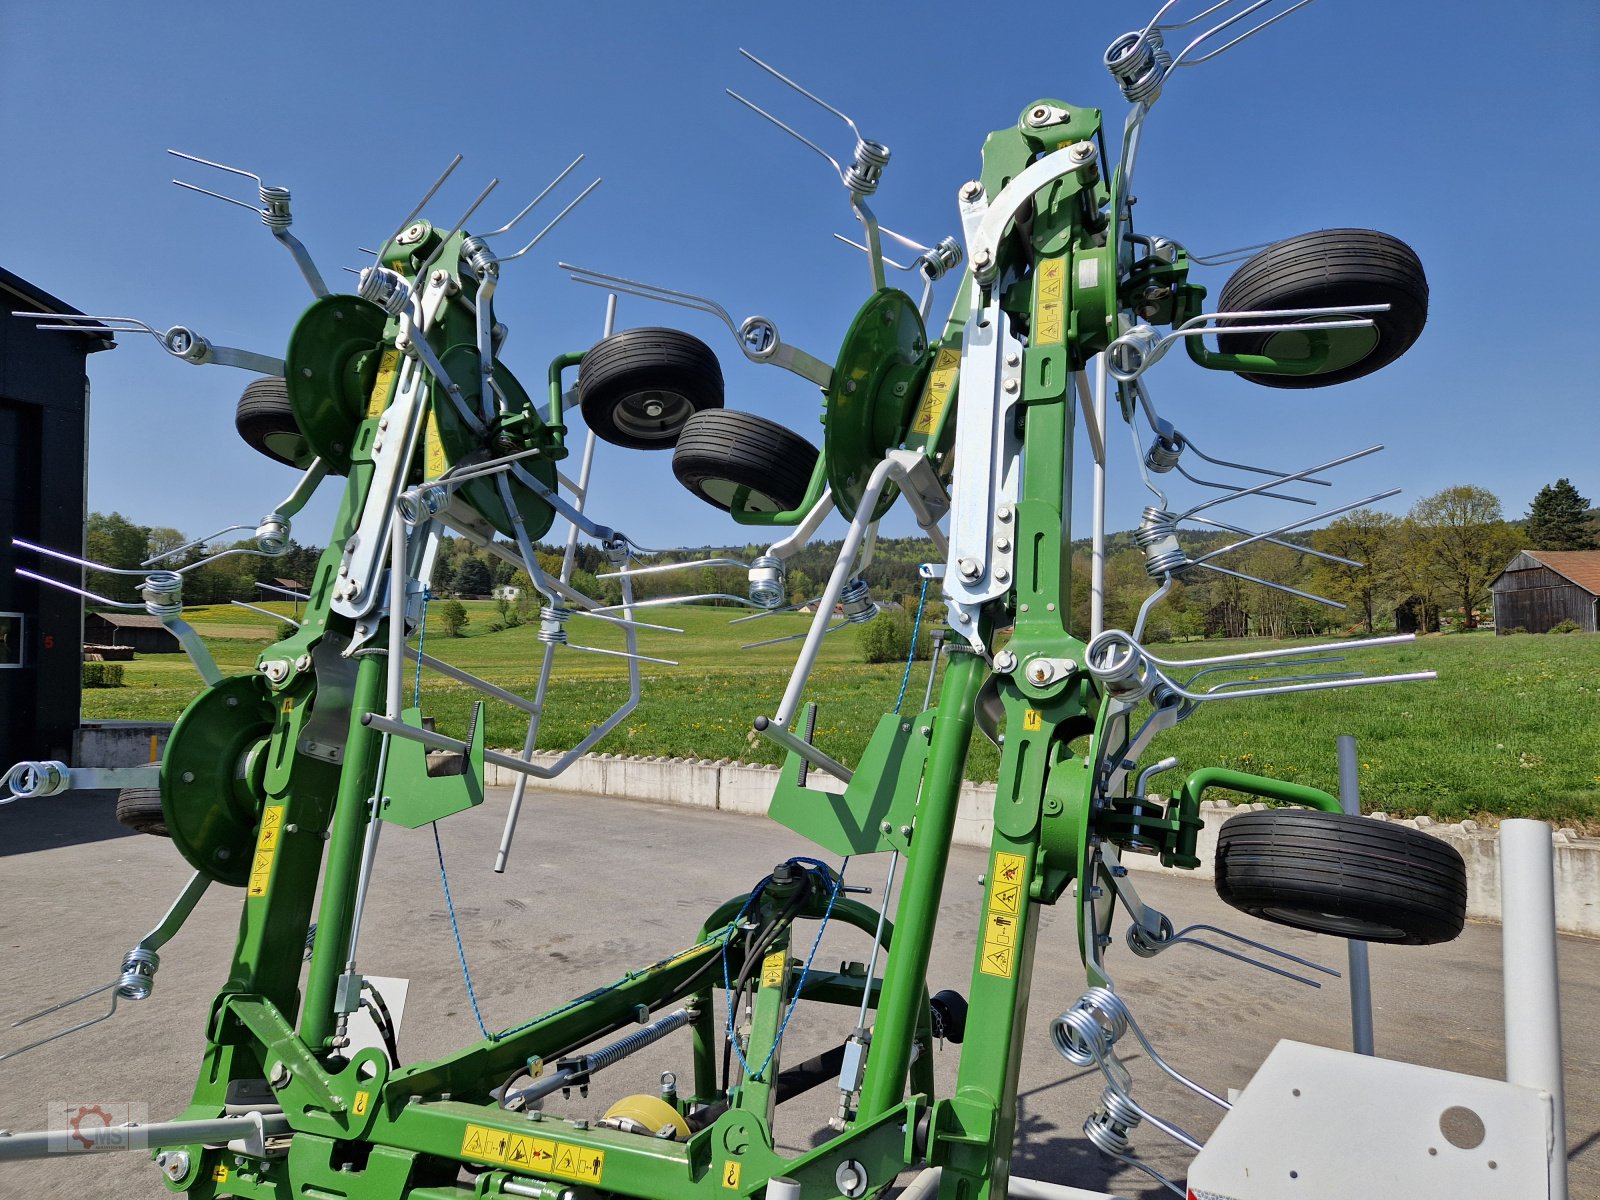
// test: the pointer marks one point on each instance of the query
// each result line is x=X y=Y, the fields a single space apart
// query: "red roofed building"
x=1542 y=588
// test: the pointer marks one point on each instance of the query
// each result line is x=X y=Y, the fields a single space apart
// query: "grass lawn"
x=1510 y=729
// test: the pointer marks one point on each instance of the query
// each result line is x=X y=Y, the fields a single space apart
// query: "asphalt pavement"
x=599 y=886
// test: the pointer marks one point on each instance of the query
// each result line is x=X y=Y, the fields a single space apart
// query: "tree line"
x=1419 y=571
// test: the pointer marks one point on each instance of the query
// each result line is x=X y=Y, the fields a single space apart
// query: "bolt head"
x=982 y=258
x=1010 y=387
x=968 y=568
x=971 y=190
x=1003 y=512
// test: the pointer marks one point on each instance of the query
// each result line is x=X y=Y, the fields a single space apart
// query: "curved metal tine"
x=793 y=637
x=1181 y=939
x=438 y=183
x=1323 y=554
x=549 y=187
x=661 y=568
x=661 y=601
x=650 y=291
x=668 y=662
x=115 y=324
x=813 y=97
x=289 y=592
x=1219 y=688
x=1280 y=587
x=229 y=553
x=1222 y=257
x=456 y=228
x=1233 y=487
x=190 y=545
x=868 y=250
x=610 y=620
x=556 y=220
x=1189 y=444
x=54 y=1037
x=790 y=130
x=206 y=162
x=266 y=612
x=1391 y=639
x=1251 y=942
x=768 y=612
x=1290 y=478
x=76 y=591
x=1178 y=59
x=1288 y=660
x=1150 y=602
x=74 y=559
x=1316 y=516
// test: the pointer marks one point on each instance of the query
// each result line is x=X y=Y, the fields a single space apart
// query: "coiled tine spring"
x=866 y=167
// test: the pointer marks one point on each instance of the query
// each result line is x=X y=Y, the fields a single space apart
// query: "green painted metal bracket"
x=878 y=802
x=419 y=787
x=280 y=1046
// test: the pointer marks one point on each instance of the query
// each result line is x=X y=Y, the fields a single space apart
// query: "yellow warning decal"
x=579 y=1162
x=936 y=393
x=266 y=848
x=288 y=705
x=773 y=967
x=1052 y=288
x=380 y=386
x=524 y=1153
x=519 y=1151
x=437 y=464
x=730 y=1174
x=219 y=1174
x=363 y=1099
x=1003 y=922
x=1032 y=720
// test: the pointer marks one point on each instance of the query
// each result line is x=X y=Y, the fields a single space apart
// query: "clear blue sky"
x=1466 y=129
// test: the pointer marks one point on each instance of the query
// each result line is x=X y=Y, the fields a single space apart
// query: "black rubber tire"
x=637 y=388
x=140 y=810
x=1331 y=267
x=1347 y=876
x=720 y=451
x=266 y=422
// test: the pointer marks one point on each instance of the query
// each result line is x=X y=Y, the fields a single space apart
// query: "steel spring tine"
x=667 y=662
x=659 y=568
x=793 y=637
x=1217 y=689
x=190 y=545
x=62 y=556
x=266 y=612
x=1200 y=323
x=554 y=221
x=1178 y=939
x=650 y=291
x=659 y=601
x=1323 y=554
x=1264 y=664
x=1239 y=937
x=771 y=70
x=619 y=621
x=1392 y=639
x=1317 y=516
x=1235 y=488
x=1199 y=16
x=45 y=1012
x=791 y=131
x=206 y=162
x=1222 y=462
x=56 y=1037
x=1290 y=478
x=118 y=324
x=1227 y=256
x=787 y=608
x=1280 y=587
x=34 y=577
x=455 y=229
x=217 y=195
x=868 y=250
x=1178 y=60
x=421 y=204
x=1150 y=602
x=549 y=187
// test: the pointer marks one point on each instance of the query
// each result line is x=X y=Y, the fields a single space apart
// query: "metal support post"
x=1528 y=954
x=1360 y=972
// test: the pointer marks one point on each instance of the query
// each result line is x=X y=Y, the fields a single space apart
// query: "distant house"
x=146 y=634
x=506 y=591
x=1541 y=588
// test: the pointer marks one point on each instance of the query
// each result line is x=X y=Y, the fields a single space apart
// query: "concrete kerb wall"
x=747 y=789
x=744 y=788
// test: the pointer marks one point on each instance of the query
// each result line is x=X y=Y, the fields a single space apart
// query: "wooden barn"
x=146 y=634
x=1541 y=588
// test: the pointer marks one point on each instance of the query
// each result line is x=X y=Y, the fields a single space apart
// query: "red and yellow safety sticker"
x=266 y=849
x=936 y=393
x=1052 y=300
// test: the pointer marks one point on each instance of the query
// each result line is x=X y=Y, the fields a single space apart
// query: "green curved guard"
x=1312 y=352
x=877 y=382
x=210 y=779
x=330 y=368
x=450 y=440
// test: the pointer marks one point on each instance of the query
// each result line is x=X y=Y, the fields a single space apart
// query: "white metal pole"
x=1360 y=970
x=1532 y=997
x=1097 y=549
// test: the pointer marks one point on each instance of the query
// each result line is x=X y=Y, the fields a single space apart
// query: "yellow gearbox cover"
x=650 y=1111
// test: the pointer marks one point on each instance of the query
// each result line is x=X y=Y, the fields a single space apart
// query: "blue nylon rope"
x=912 y=653
x=456 y=929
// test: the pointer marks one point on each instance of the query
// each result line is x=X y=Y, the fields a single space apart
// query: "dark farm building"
x=1542 y=588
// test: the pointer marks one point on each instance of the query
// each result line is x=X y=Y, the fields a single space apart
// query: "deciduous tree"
x=1463 y=543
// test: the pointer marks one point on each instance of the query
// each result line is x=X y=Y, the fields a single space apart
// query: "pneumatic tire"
x=140 y=810
x=637 y=388
x=1347 y=876
x=266 y=422
x=724 y=456
x=1330 y=268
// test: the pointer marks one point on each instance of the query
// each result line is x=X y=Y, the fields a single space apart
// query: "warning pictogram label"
x=941 y=383
x=730 y=1175
x=1032 y=720
x=524 y=1153
x=1003 y=920
x=519 y=1151
x=772 y=968
x=219 y=1174
x=363 y=1099
x=380 y=386
x=266 y=848
x=1052 y=285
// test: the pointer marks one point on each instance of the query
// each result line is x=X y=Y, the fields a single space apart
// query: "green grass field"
x=1510 y=729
